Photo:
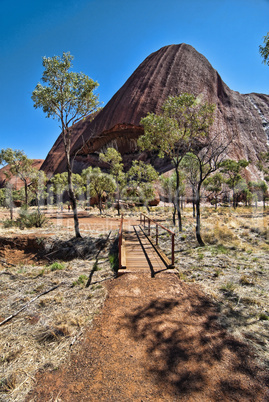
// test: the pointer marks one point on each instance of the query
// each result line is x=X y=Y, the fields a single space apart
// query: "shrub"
x=56 y=266
x=80 y=281
x=26 y=220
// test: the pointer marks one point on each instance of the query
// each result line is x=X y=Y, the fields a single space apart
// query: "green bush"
x=26 y=220
x=29 y=220
x=81 y=280
x=56 y=266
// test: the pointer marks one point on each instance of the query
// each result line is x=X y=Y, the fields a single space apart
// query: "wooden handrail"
x=157 y=234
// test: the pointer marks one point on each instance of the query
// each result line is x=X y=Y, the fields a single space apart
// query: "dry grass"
x=232 y=269
x=42 y=335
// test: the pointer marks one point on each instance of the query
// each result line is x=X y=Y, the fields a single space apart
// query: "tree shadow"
x=191 y=355
x=67 y=250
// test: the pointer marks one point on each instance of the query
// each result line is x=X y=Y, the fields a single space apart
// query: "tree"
x=264 y=50
x=67 y=97
x=191 y=168
x=207 y=160
x=169 y=187
x=60 y=185
x=175 y=131
x=38 y=186
x=263 y=164
x=19 y=165
x=233 y=170
x=99 y=184
x=259 y=187
x=214 y=185
x=140 y=178
x=113 y=158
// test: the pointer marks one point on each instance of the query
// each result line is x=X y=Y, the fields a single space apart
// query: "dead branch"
x=27 y=304
x=76 y=338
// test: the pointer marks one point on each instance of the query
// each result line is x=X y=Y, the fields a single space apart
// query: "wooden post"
x=149 y=226
x=157 y=233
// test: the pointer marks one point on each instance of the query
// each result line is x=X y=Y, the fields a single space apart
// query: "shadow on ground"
x=192 y=355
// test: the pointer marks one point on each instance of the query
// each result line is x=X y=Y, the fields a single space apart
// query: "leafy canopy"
x=174 y=132
x=66 y=96
x=264 y=50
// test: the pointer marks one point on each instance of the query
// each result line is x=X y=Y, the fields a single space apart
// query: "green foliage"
x=65 y=94
x=56 y=266
x=182 y=127
x=82 y=279
x=182 y=120
x=19 y=166
x=264 y=50
x=232 y=170
x=27 y=220
x=67 y=97
x=228 y=287
x=60 y=184
x=98 y=184
x=114 y=261
x=38 y=184
x=113 y=158
x=264 y=316
x=141 y=177
x=263 y=164
x=2 y=197
x=214 y=185
x=169 y=185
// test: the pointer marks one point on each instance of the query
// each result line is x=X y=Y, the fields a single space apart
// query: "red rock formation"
x=169 y=71
x=15 y=181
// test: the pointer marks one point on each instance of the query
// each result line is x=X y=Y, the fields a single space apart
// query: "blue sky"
x=109 y=39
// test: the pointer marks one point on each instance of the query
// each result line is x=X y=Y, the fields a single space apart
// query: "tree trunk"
x=118 y=199
x=71 y=194
x=198 y=219
x=177 y=202
x=193 y=203
x=174 y=215
x=26 y=193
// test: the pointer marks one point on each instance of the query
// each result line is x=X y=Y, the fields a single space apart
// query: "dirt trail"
x=155 y=340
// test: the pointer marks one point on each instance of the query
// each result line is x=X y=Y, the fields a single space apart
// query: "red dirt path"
x=155 y=340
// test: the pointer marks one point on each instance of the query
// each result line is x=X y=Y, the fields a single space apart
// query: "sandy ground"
x=156 y=340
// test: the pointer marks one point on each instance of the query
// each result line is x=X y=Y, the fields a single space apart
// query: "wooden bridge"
x=139 y=252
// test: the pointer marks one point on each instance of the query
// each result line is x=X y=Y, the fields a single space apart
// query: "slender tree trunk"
x=177 y=202
x=71 y=194
x=193 y=203
x=174 y=215
x=73 y=203
x=198 y=217
x=118 y=199
x=26 y=193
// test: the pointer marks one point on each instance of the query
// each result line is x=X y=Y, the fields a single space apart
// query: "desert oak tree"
x=68 y=97
x=174 y=131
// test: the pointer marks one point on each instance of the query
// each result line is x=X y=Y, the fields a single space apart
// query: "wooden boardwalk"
x=139 y=254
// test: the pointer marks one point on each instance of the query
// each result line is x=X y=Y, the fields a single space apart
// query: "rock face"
x=171 y=70
x=16 y=182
